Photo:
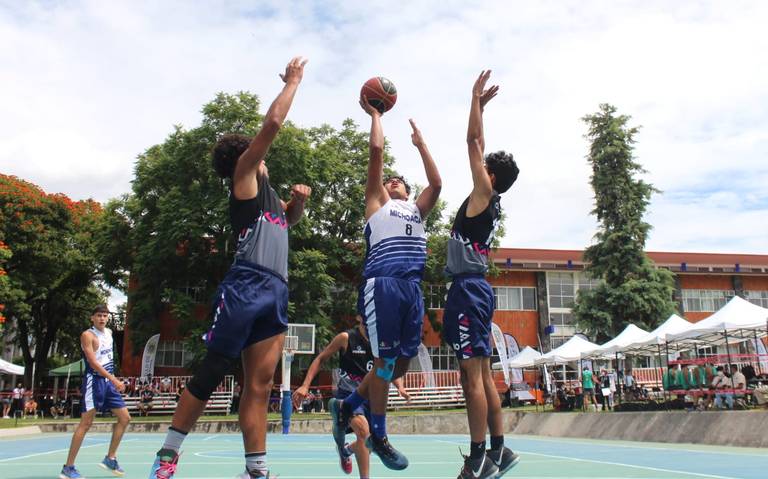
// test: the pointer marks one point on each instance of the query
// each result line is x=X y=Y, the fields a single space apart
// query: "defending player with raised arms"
x=390 y=299
x=470 y=303
x=250 y=312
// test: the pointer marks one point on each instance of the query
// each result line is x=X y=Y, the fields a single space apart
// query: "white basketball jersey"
x=104 y=355
x=396 y=244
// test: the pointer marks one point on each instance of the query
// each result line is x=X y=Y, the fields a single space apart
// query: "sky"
x=86 y=86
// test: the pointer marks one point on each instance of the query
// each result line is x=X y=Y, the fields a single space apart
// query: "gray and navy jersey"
x=262 y=229
x=355 y=361
x=470 y=241
x=105 y=353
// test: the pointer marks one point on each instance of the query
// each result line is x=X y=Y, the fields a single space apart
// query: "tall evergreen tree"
x=632 y=289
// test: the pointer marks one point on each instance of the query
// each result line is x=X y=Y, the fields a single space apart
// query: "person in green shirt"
x=588 y=386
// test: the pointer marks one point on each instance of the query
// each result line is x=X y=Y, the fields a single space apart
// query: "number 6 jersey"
x=396 y=245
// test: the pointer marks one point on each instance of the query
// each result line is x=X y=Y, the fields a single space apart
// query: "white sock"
x=256 y=461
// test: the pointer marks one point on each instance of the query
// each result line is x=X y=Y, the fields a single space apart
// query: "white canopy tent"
x=631 y=334
x=737 y=317
x=569 y=351
x=10 y=368
x=651 y=341
x=524 y=359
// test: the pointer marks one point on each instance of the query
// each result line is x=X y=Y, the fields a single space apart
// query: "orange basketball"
x=381 y=93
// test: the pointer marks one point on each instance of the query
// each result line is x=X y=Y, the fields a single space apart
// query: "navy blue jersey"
x=470 y=241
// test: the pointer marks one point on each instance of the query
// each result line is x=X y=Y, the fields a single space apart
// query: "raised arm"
x=482 y=188
x=428 y=197
x=375 y=193
x=341 y=341
x=245 y=179
x=87 y=341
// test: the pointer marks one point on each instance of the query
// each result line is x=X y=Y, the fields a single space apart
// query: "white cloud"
x=89 y=85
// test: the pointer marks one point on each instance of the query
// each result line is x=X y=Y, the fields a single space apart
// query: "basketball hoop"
x=290 y=345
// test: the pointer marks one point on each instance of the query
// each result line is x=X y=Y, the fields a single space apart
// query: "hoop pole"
x=286 y=407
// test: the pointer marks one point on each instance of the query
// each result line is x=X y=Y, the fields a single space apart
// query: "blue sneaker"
x=70 y=472
x=340 y=421
x=165 y=463
x=112 y=466
x=390 y=457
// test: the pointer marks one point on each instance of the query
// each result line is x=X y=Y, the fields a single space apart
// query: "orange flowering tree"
x=48 y=269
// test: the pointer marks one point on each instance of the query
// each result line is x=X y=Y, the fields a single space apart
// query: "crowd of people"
x=21 y=403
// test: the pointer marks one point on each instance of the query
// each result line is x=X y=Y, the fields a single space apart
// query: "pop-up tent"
x=10 y=368
x=739 y=318
x=569 y=351
x=524 y=359
x=650 y=343
x=631 y=334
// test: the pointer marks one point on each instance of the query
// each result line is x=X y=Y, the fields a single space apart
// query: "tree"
x=49 y=257
x=632 y=289
x=172 y=233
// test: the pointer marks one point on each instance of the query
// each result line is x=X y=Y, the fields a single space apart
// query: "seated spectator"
x=59 y=408
x=317 y=402
x=179 y=392
x=165 y=385
x=145 y=400
x=30 y=407
x=722 y=383
x=739 y=382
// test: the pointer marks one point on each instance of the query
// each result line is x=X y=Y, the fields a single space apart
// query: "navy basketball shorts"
x=468 y=316
x=393 y=313
x=100 y=394
x=361 y=410
x=251 y=305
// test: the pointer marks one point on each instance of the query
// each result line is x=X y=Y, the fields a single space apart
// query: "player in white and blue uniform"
x=100 y=392
x=470 y=304
x=390 y=299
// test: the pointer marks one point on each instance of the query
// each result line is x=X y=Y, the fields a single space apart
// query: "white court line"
x=211 y=437
x=57 y=450
x=609 y=463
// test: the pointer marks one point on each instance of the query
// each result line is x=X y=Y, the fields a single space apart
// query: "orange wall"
x=513 y=278
x=706 y=282
x=755 y=283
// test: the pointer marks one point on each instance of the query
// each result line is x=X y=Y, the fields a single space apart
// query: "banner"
x=425 y=361
x=513 y=349
x=148 y=360
x=763 y=354
x=501 y=349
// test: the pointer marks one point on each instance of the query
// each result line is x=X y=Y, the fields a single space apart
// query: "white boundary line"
x=56 y=451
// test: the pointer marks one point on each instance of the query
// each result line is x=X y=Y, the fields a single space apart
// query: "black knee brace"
x=209 y=375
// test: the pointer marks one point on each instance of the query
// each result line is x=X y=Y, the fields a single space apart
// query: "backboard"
x=306 y=337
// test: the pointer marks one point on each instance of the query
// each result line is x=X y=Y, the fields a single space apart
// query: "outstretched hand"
x=416 y=137
x=300 y=192
x=294 y=71
x=479 y=91
x=365 y=105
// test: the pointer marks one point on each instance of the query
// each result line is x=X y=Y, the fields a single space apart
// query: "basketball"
x=381 y=93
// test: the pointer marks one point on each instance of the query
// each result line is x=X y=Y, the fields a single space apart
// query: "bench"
x=165 y=404
x=428 y=398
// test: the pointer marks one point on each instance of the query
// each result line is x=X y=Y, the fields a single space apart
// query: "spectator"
x=588 y=387
x=722 y=383
x=59 y=408
x=30 y=407
x=236 y=398
x=145 y=400
x=5 y=400
x=179 y=392
x=605 y=390
x=739 y=382
x=165 y=385
x=317 y=401
x=18 y=398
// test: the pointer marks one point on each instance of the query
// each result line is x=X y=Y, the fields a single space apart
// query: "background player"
x=390 y=299
x=355 y=360
x=470 y=304
x=100 y=392
x=250 y=314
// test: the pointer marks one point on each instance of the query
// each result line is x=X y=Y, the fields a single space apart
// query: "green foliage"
x=632 y=290
x=52 y=269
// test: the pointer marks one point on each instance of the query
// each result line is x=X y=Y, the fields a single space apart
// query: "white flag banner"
x=425 y=361
x=763 y=354
x=501 y=348
x=513 y=349
x=148 y=360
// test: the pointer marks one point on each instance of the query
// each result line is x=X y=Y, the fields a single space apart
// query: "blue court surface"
x=431 y=456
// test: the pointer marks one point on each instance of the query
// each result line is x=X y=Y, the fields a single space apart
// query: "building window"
x=561 y=319
x=514 y=298
x=557 y=341
x=705 y=300
x=443 y=359
x=434 y=296
x=171 y=354
x=561 y=290
x=759 y=298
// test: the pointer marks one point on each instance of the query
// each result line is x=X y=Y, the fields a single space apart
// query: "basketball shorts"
x=393 y=313
x=251 y=305
x=100 y=394
x=362 y=410
x=468 y=316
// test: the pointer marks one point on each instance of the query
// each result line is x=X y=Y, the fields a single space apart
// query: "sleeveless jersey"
x=396 y=244
x=262 y=229
x=104 y=354
x=470 y=241
x=355 y=361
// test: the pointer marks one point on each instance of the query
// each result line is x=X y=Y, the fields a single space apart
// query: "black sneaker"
x=504 y=459
x=340 y=421
x=390 y=457
x=482 y=468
